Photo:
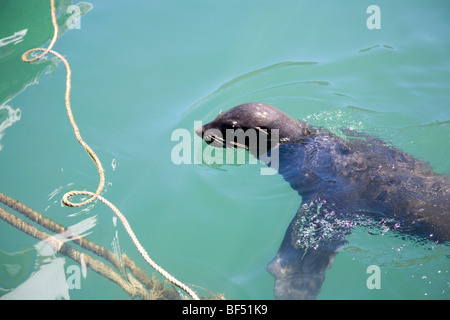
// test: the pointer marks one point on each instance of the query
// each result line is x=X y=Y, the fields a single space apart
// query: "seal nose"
x=199 y=132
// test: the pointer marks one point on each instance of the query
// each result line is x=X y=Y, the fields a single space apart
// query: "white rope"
x=138 y=245
x=94 y=157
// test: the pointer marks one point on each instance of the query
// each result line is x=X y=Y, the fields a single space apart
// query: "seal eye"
x=226 y=126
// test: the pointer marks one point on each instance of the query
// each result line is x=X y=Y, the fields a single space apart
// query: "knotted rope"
x=96 y=195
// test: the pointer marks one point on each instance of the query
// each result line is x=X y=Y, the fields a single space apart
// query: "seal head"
x=257 y=127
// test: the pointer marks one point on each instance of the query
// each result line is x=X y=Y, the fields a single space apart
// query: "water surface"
x=143 y=69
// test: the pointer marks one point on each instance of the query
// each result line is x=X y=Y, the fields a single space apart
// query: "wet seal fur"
x=359 y=180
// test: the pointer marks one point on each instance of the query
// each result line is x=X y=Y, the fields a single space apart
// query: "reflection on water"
x=52 y=277
x=8 y=116
x=13 y=39
x=48 y=282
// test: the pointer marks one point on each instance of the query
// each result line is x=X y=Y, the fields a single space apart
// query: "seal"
x=344 y=181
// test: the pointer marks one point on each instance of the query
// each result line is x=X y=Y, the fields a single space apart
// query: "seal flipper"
x=309 y=247
x=299 y=273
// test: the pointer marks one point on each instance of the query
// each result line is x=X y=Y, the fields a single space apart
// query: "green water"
x=142 y=69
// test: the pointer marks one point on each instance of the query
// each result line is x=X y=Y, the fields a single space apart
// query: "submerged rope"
x=82 y=258
x=97 y=162
x=156 y=288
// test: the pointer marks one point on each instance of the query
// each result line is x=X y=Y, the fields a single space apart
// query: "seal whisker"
x=262 y=131
x=219 y=140
x=243 y=146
